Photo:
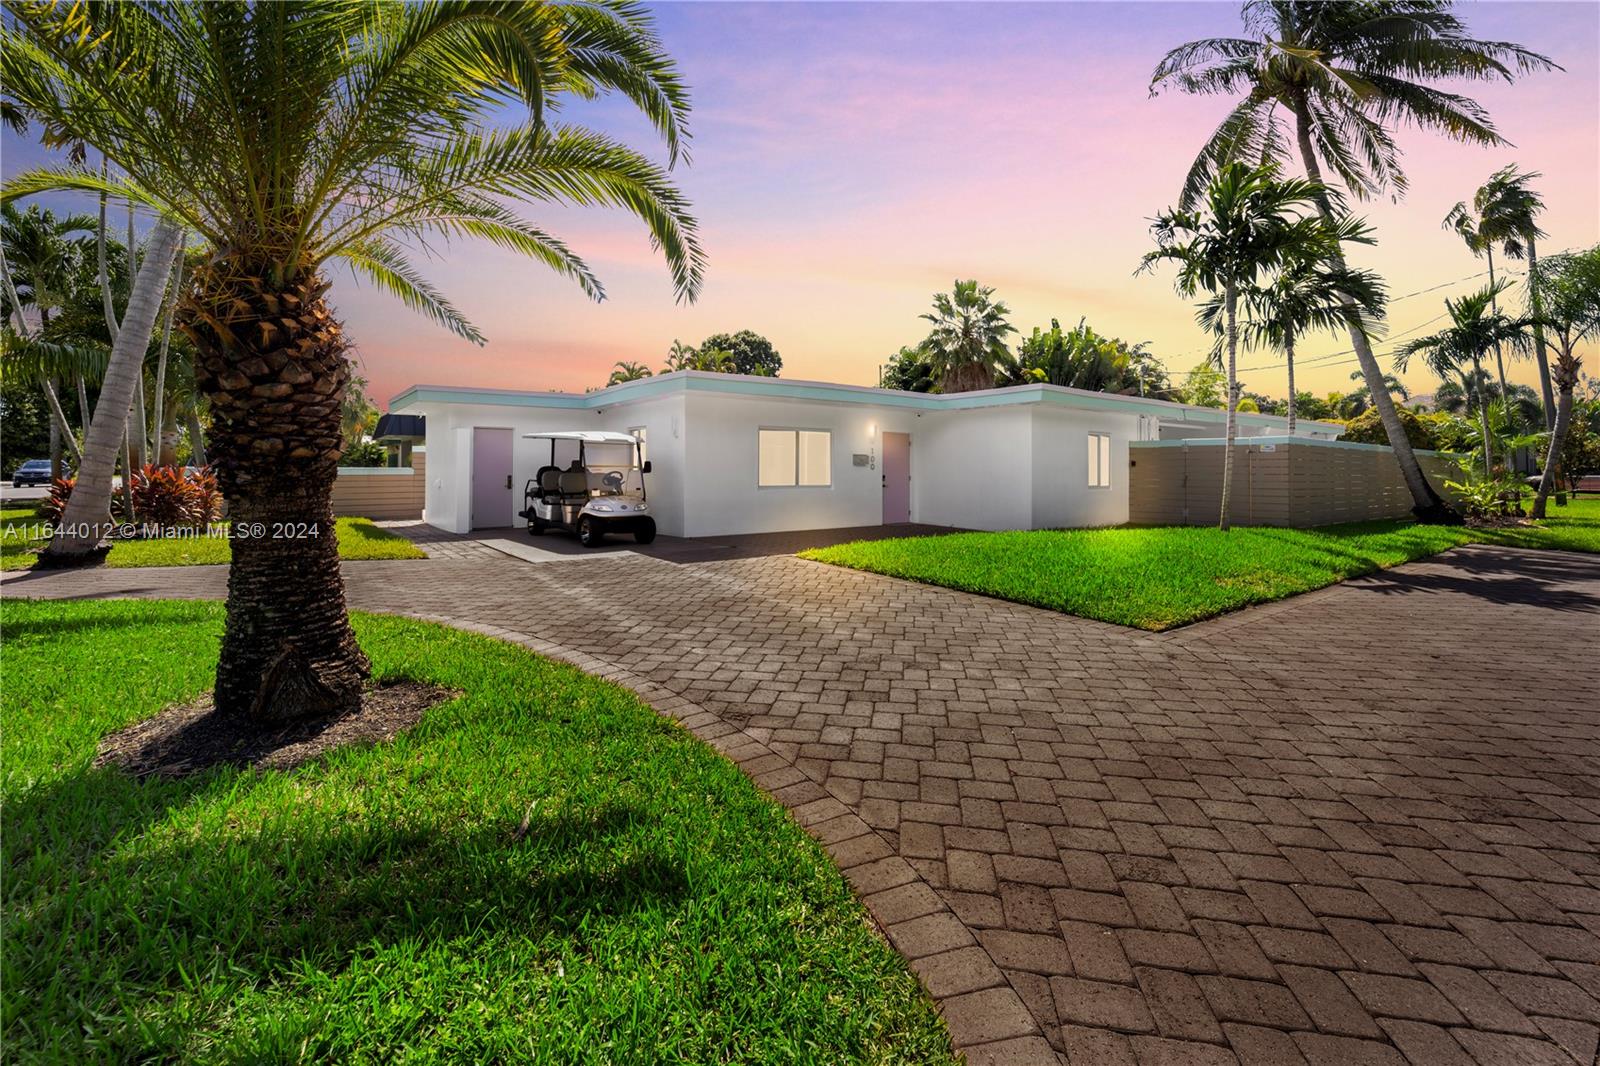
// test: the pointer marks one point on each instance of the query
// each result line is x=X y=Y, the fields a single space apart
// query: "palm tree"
x=289 y=137
x=1344 y=72
x=1248 y=223
x=1569 y=287
x=1474 y=330
x=1308 y=295
x=1516 y=209
x=1356 y=401
x=41 y=258
x=967 y=346
x=628 y=372
x=680 y=356
x=1504 y=211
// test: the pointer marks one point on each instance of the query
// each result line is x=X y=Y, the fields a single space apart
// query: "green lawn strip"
x=373 y=907
x=359 y=538
x=1159 y=577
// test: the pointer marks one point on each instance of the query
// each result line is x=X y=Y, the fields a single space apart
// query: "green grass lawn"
x=358 y=539
x=1157 y=578
x=374 y=907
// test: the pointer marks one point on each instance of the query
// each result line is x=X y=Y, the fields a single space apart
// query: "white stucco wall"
x=722 y=496
x=974 y=469
x=1061 y=494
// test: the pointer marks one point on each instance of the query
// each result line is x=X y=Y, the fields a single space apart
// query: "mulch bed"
x=192 y=737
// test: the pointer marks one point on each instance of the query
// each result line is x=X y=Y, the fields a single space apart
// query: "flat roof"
x=588 y=436
x=679 y=381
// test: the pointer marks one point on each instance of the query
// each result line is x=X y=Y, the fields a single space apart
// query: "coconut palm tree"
x=1474 y=330
x=1569 y=287
x=1248 y=223
x=1307 y=295
x=628 y=372
x=289 y=138
x=967 y=346
x=1343 y=73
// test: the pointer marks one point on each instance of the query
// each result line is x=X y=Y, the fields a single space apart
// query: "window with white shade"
x=1099 y=460
x=787 y=458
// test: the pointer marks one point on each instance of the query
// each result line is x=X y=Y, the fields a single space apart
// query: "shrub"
x=1368 y=429
x=162 y=495
x=365 y=453
x=1484 y=498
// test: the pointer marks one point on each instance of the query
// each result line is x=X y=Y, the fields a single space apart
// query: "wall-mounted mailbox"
x=858 y=460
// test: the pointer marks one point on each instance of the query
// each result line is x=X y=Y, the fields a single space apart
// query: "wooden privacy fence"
x=382 y=491
x=1279 y=481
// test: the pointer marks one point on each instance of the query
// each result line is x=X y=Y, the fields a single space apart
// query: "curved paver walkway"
x=1359 y=826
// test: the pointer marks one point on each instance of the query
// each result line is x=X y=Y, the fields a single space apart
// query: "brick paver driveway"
x=1361 y=826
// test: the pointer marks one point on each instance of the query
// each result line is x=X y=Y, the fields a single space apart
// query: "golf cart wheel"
x=536 y=527
x=589 y=532
x=644 y=532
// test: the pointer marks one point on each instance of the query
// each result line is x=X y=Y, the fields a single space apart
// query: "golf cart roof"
x=587 y=436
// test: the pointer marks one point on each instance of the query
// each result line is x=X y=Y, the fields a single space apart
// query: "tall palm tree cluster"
x=1323 y=83
x=1249 y=225
x=288 y=138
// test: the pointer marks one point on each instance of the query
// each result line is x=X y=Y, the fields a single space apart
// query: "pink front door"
x=491 y=478
x=896 y=478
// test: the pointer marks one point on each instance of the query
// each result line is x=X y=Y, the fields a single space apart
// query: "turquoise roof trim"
x=685 y=381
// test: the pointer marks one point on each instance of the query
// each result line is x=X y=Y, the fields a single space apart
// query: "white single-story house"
x=733 y=454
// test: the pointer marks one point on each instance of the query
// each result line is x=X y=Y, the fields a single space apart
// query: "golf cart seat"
x=573 y=482
x=547 y=481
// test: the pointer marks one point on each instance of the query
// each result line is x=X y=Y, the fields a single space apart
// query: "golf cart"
x=592 y=485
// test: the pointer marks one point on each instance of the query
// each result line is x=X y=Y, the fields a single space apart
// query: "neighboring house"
x=734 y=454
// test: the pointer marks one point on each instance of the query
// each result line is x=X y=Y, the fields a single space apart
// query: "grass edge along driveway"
x=377 y=905
x=1159 y=577
x=359 y=538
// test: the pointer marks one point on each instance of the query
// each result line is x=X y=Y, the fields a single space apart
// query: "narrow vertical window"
x=1099 y=460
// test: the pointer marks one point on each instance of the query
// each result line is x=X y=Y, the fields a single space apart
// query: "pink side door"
x=491 y=478
x=896 y=478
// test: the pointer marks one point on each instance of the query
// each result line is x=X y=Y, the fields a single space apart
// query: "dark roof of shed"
x=400 y=426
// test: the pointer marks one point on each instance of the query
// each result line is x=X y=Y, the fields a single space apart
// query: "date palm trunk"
x=1231 y=303
x=1537 y=307
x=1427 y=505
x=78 y=536
x=271 y=359
x=1567 y=379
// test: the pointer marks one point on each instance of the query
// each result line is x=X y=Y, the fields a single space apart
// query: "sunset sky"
x=850 y=159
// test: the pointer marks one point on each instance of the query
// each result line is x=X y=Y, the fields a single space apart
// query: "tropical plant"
x=289 y=137
x=1487 y=495
x=1504 y=212
x=908 y=370
x=1343 y=72
x=1203 y=386
x=1306 y=295
x=680 y=356
x=1367 y=428
x=1570 y=290
x=163 y=496
x=1248 y=223
x=364 y=453
x=627 y=372
x=358 y=415
x=1357 y=401
x=1082 y=358
x=966 y=349
x=752 y=353
x=39 y=260
x=1473 y=332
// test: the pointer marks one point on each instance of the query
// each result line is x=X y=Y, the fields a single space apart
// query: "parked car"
x=599 y=491
x=35 y=472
